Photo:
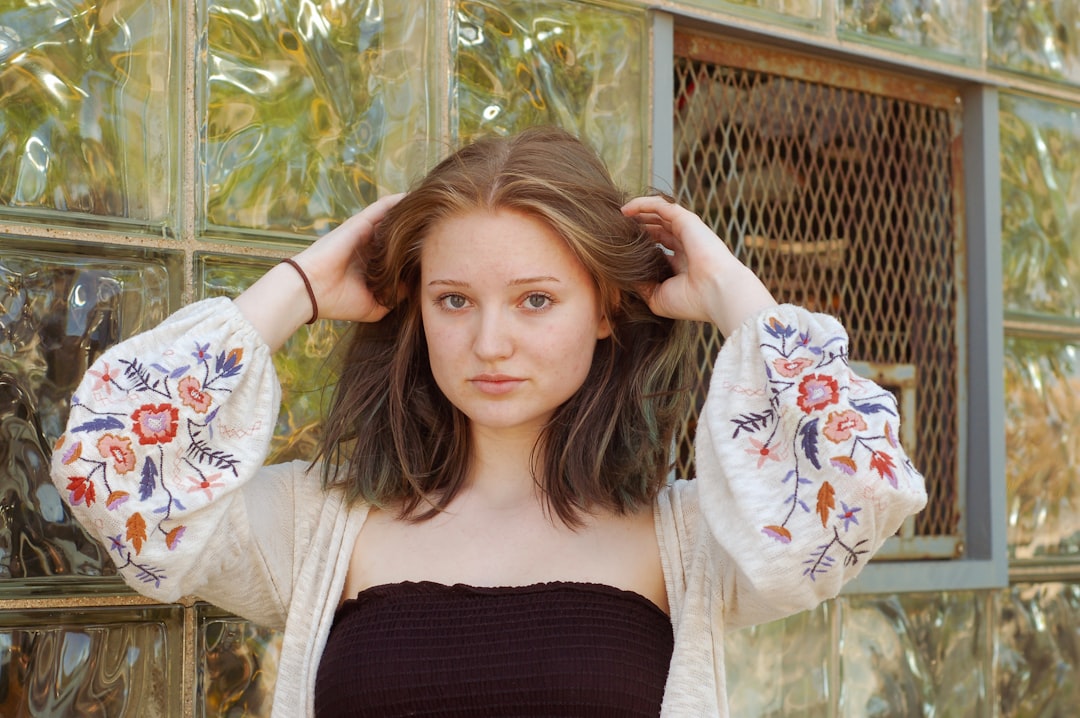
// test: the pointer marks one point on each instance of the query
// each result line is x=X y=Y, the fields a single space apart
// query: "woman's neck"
x=501 y=471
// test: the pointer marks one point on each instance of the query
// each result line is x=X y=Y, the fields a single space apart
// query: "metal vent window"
x=842 y=189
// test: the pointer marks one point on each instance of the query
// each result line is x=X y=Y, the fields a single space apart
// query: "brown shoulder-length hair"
x=393 y=439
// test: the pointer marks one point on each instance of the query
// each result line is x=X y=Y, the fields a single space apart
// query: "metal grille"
x=842 y=189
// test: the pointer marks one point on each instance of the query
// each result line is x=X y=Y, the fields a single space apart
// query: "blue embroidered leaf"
x=805 y=508
x=809 y=442
x=103 y=423
x=873 y=408
x=162 y=509
x=210 y=417
x=160 y=368
x=788 y=476
x=148 y=482
x=178 y=372
x=177 y=504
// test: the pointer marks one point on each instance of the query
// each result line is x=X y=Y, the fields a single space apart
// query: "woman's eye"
x=537 y=301
x=452 y=301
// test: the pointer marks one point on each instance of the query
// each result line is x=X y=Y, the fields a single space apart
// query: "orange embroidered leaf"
x=826 y=502
x=779 y=533
x=136 y=531
x=173 y=537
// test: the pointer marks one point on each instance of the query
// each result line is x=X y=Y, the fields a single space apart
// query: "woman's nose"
x=494 y=336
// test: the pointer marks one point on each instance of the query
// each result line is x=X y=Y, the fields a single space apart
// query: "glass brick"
x=781 y=668
x=58 y=313
x=1040 y=205
x=116 y=662
x=309 y=112
x=238 y=665
x=1040 y=37
x=948 y=28
x=1042 y=444
x=571 y=64
x=914 y=655
x=305 y=366
x=1037 y=657
x=90 y=121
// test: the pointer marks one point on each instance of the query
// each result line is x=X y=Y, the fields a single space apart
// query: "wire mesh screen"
x=842 y=191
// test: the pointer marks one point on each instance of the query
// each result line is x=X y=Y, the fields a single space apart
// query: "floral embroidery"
x=840 y=424
x=105 y=378
x=139 y=478
x=205 y=484
x=791 y=368
x=810 y=372
x=763 y=452
x=817 y=391
x=847 y=515
x=118 y=448
x=191 y=394
x=155 y=423
x=82 y=490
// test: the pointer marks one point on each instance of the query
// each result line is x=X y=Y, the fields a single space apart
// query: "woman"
x=493 y=532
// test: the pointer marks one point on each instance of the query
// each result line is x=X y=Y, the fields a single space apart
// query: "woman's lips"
x=495 y=383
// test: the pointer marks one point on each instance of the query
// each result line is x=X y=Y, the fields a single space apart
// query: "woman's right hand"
x=278 y=303
x=335 y=266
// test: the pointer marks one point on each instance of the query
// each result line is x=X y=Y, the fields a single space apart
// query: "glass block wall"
x=158 y=152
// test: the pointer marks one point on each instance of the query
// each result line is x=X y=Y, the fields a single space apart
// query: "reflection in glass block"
x=90 y=120
x=305 y=366
x=119 y=663
x=1038 y=38
x=781 y=668
x=58 y=313
x=1038 y=650
x=1042 y=444
x=914 y=655
x=237 y=666
x=312 y=110
x=1040 y=205
x=579 y=66
x=805 y=12
x=950 y=27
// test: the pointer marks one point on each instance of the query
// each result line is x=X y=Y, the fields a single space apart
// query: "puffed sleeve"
x=166 y=430
x=800 y=474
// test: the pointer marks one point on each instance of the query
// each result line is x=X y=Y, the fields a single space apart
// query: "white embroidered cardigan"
x=800 y=480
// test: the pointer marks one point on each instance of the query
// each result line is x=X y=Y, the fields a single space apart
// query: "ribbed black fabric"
x=552 y=649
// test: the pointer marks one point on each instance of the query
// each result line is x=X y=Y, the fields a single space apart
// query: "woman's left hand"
x=710 y=283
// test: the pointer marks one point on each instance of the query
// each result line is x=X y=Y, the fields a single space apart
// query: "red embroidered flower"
x=816 y=391
x=155 y=424
x=191 y=394
x=840 y=424
x=117 y=448
x=791 y=367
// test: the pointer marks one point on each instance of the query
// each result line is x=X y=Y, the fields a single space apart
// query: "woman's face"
x=511 y=318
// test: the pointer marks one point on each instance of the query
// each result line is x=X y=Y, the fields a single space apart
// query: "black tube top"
x=551 y=649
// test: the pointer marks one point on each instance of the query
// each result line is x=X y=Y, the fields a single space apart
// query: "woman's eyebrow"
x=512 y=283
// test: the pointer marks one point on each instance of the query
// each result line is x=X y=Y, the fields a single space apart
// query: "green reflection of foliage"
x=312 y=110
x=305 y=365
x=940 y=26
x=1038 y=38
x=1042 y=438
x=1040 y=204
x=89 y=114
x=570 y=64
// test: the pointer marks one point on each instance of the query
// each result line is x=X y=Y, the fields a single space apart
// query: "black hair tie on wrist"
x=307 y=285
